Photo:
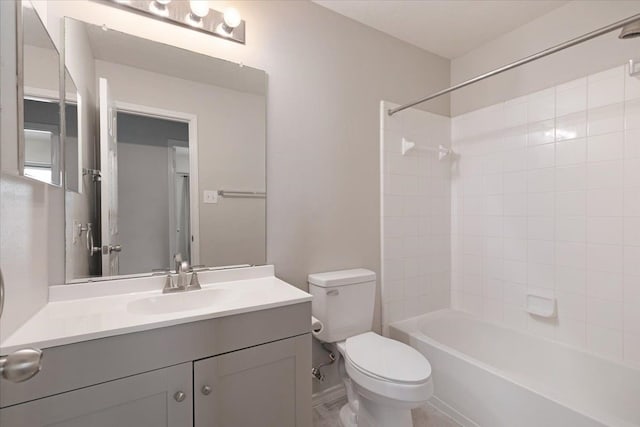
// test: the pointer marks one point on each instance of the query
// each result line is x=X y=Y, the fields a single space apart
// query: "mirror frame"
x=20 y=97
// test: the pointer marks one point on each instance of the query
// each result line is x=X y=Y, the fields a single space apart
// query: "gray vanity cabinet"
x=158 y=398
x=262 y=386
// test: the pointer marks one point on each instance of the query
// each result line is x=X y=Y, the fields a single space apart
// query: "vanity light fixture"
x=194 y=14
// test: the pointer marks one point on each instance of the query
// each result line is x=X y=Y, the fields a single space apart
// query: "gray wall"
x=31 y=212
x=143 y=207
x=327 y=75
x=569 y=21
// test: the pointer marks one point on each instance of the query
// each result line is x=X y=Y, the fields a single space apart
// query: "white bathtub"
x=493 y=376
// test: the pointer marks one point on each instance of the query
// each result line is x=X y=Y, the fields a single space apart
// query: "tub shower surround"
x=416 y=214
x=546 y=200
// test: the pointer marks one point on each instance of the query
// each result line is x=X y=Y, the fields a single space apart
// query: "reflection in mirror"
x=72 y=141
x=40 y=151
x=179 y=164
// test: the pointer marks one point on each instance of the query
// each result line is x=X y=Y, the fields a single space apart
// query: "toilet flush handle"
x=332 y=292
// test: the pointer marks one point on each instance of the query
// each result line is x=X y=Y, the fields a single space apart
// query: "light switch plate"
x=210 y=196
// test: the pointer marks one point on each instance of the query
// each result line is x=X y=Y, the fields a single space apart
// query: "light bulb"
x=199 y=8
x=232 y=17
x=159 y=7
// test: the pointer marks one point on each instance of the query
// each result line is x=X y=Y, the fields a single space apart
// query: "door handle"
x=21 y=365
x=114 y=248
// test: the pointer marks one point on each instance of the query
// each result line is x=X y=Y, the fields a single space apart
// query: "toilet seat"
x=384 y=368
x=387 y=359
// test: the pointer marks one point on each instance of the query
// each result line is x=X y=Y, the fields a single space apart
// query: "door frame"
x=192 y=122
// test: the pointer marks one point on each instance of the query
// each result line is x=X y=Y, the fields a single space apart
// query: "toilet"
x=384 y=378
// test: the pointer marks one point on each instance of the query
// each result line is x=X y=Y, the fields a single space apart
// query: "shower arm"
x=557 y=48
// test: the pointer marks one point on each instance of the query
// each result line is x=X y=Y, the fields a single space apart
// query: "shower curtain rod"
x=526 y=60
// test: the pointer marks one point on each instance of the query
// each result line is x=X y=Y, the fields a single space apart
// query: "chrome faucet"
x=181 y=284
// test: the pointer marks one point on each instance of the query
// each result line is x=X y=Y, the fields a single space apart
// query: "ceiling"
x=449 y=28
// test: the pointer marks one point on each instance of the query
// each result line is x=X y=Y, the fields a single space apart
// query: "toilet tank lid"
x=342 y=277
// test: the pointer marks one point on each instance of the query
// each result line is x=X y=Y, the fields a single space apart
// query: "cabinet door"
x=145 y=400
x=264 y=386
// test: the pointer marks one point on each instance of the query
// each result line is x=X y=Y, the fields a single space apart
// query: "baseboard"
x=329 y=395
x=451 y=413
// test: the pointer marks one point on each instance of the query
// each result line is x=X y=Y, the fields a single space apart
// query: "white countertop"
x=84 y=312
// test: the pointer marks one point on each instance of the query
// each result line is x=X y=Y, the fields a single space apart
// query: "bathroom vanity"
x=141 y=358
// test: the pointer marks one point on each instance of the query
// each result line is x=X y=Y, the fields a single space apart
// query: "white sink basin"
x=178 y=301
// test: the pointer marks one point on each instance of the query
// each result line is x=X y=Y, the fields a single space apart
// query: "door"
x=264 y=386
x=109 y=182
x=151 y=399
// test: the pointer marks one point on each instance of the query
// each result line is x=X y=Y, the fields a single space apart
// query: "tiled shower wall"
x=416 y=215
x=546 y=199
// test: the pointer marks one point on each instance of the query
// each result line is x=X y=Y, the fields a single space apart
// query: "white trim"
x=194 y=193
x=171 y=188
x=328 y=395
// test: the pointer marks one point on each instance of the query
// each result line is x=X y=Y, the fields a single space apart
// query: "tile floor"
x=326 y=415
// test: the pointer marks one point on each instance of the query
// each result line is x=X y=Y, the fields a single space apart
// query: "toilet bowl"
x=388 y=378
x=384 y=378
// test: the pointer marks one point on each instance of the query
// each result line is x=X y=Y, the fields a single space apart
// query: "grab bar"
x=242 y=194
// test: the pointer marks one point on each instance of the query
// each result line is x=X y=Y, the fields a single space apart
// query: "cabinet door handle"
x=206 y=390
x=179 y=396
x=21 y=365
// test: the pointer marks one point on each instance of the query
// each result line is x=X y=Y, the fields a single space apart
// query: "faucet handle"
x=194 y=284
x=169 y=286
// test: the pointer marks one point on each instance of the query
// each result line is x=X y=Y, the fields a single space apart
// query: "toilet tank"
x=343 y=301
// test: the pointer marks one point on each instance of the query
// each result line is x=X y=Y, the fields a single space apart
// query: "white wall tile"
x=541 y=228
x=514 y=182
x=632 y=172
x=604 y=341
x=605 y=285
x=605 y=147
x=541 y=204
x=604 y=313
x=569 y=178
x=571 y=228
x=571 y=126
x=571 y=152
x=541 y=105
x=605 y=174
x=605 y=88
x=607 y=258
x=610 y=118
x=632 y=143
x=541 y=180
x=607 y=202
x=632 y=231
x=542 y=132
x=555 y=183
x=570 y=279
x=632 y=114
x=571 y=97
x=542 y=156
x=606 y=230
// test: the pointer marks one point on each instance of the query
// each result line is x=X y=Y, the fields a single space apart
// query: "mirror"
x=40 y=140
x=173 y=164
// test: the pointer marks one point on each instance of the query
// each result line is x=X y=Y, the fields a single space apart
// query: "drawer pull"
x=206 y=390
